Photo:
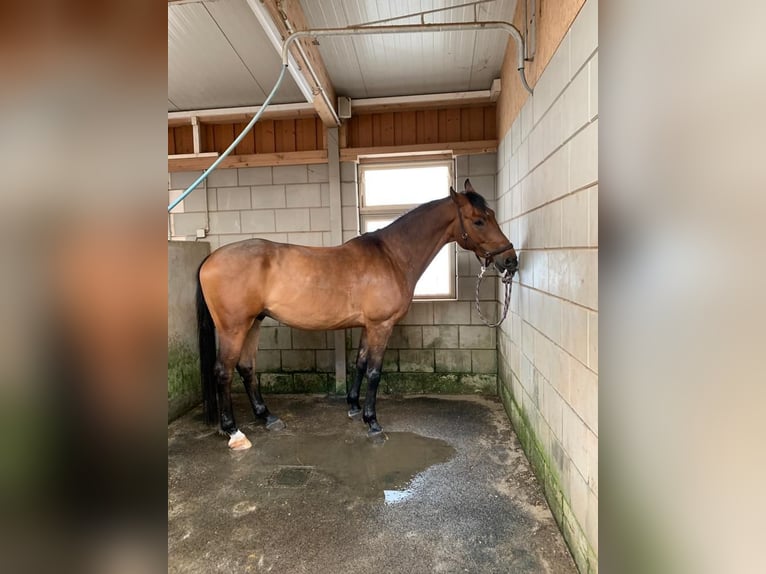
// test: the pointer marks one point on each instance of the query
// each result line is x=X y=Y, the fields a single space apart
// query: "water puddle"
x=397 y=496
x=371 y=468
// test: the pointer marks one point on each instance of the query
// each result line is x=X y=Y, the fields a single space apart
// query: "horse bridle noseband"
x=488 y=256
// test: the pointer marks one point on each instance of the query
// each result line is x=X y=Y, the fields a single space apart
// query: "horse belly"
x=315 y=314
x=317 y=289
x=309 y=301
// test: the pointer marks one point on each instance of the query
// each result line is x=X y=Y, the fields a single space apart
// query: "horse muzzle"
x=509 y=264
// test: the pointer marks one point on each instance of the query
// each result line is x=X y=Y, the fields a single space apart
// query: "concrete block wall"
x=440 y=346
x=547 y=196
x=282 y=203
x=183 y=358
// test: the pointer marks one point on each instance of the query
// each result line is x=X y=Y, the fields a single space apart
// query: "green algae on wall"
x=183 y=379
x=583 y=554
x=396 y=383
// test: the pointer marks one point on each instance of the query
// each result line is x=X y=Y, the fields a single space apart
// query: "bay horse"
x=367 y=282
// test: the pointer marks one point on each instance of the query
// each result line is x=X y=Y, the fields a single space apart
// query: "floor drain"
x=293 y=476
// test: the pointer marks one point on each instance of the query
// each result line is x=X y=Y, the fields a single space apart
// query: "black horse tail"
x=207 y=356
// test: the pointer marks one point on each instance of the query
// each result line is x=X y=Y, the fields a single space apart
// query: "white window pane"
x=405 y=186
x=374 y=223
x=436 y=278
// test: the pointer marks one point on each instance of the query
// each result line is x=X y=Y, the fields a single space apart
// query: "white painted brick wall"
x=303 y=195
x=233 y=198
x=318 y=173
x=260 y=221
x=222 y=178
x=268 y=196
x=293 y=220
x=183 y=179
x=320 y=219
x=290 y=174
x=348 y=171
x=253 y=175
x=547 y=196
x=222 y=222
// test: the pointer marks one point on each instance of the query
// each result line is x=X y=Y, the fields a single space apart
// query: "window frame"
x=369 y=212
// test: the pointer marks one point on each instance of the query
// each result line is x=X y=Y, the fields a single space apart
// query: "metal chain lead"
x=506 y=279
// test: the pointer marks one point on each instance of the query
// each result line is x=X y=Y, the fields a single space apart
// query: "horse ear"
x=468 y=186
x=453 y=195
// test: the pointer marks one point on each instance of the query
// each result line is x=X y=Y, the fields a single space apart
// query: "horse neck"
x=416 y=237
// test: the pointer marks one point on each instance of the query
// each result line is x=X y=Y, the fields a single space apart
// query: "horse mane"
x=477 y=200
x=411 y=217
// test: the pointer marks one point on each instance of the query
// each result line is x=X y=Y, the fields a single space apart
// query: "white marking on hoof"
x=238 y=441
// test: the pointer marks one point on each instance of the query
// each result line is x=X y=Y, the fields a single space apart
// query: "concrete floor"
x=449 y=491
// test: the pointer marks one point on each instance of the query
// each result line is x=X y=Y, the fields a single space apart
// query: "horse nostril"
x=511 y=262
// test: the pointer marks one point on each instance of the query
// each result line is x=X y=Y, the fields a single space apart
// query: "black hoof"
x=376 y=436
x=274 y=423
x=355 y=414
x=375 y=428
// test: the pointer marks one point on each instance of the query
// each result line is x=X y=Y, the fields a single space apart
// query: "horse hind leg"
x=230 y=345
x=352 y=398
x=246 y=370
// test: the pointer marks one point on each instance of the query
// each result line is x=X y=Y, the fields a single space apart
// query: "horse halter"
x=488 y=256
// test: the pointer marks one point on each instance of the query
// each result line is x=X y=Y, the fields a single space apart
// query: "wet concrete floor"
x=447 y=490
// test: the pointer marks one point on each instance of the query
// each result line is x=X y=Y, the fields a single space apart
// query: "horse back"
x=306 y=287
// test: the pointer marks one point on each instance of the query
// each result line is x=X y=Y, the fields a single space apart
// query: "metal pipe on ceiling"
x=311 y=71
x=427 y=12
x=411 y=28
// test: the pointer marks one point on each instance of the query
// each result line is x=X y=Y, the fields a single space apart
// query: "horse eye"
x=478 y=222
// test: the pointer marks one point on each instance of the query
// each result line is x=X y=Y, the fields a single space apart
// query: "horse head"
x=477 y=230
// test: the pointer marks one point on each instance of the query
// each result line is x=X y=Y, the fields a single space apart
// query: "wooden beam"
x=292 y=12
x=195 y=135
x=495 y=89
x=422 y=102
x=176 y=163
x=454 y=148
x=242 y=114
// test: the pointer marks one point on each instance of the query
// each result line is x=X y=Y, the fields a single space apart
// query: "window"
x=390 y=190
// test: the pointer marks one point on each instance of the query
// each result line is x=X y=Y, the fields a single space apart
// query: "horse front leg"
x=377 y=341
x=352 y=398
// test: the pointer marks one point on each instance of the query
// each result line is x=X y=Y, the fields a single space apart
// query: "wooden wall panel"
x=432 y=126
x=376 y=131
x=247 y=145
x=384 y=129
x=268 y=136
x=264 y=137
x=451 y=127
x=414 y=127
x=387 y=128
x=206 y=137
x=408 y=128
x=223 y=135
x=183 y=139
x=398 y=130
x=475 y=124
x=284 y=131
x=490 y=123
x=305 y=134
x=363 y=135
